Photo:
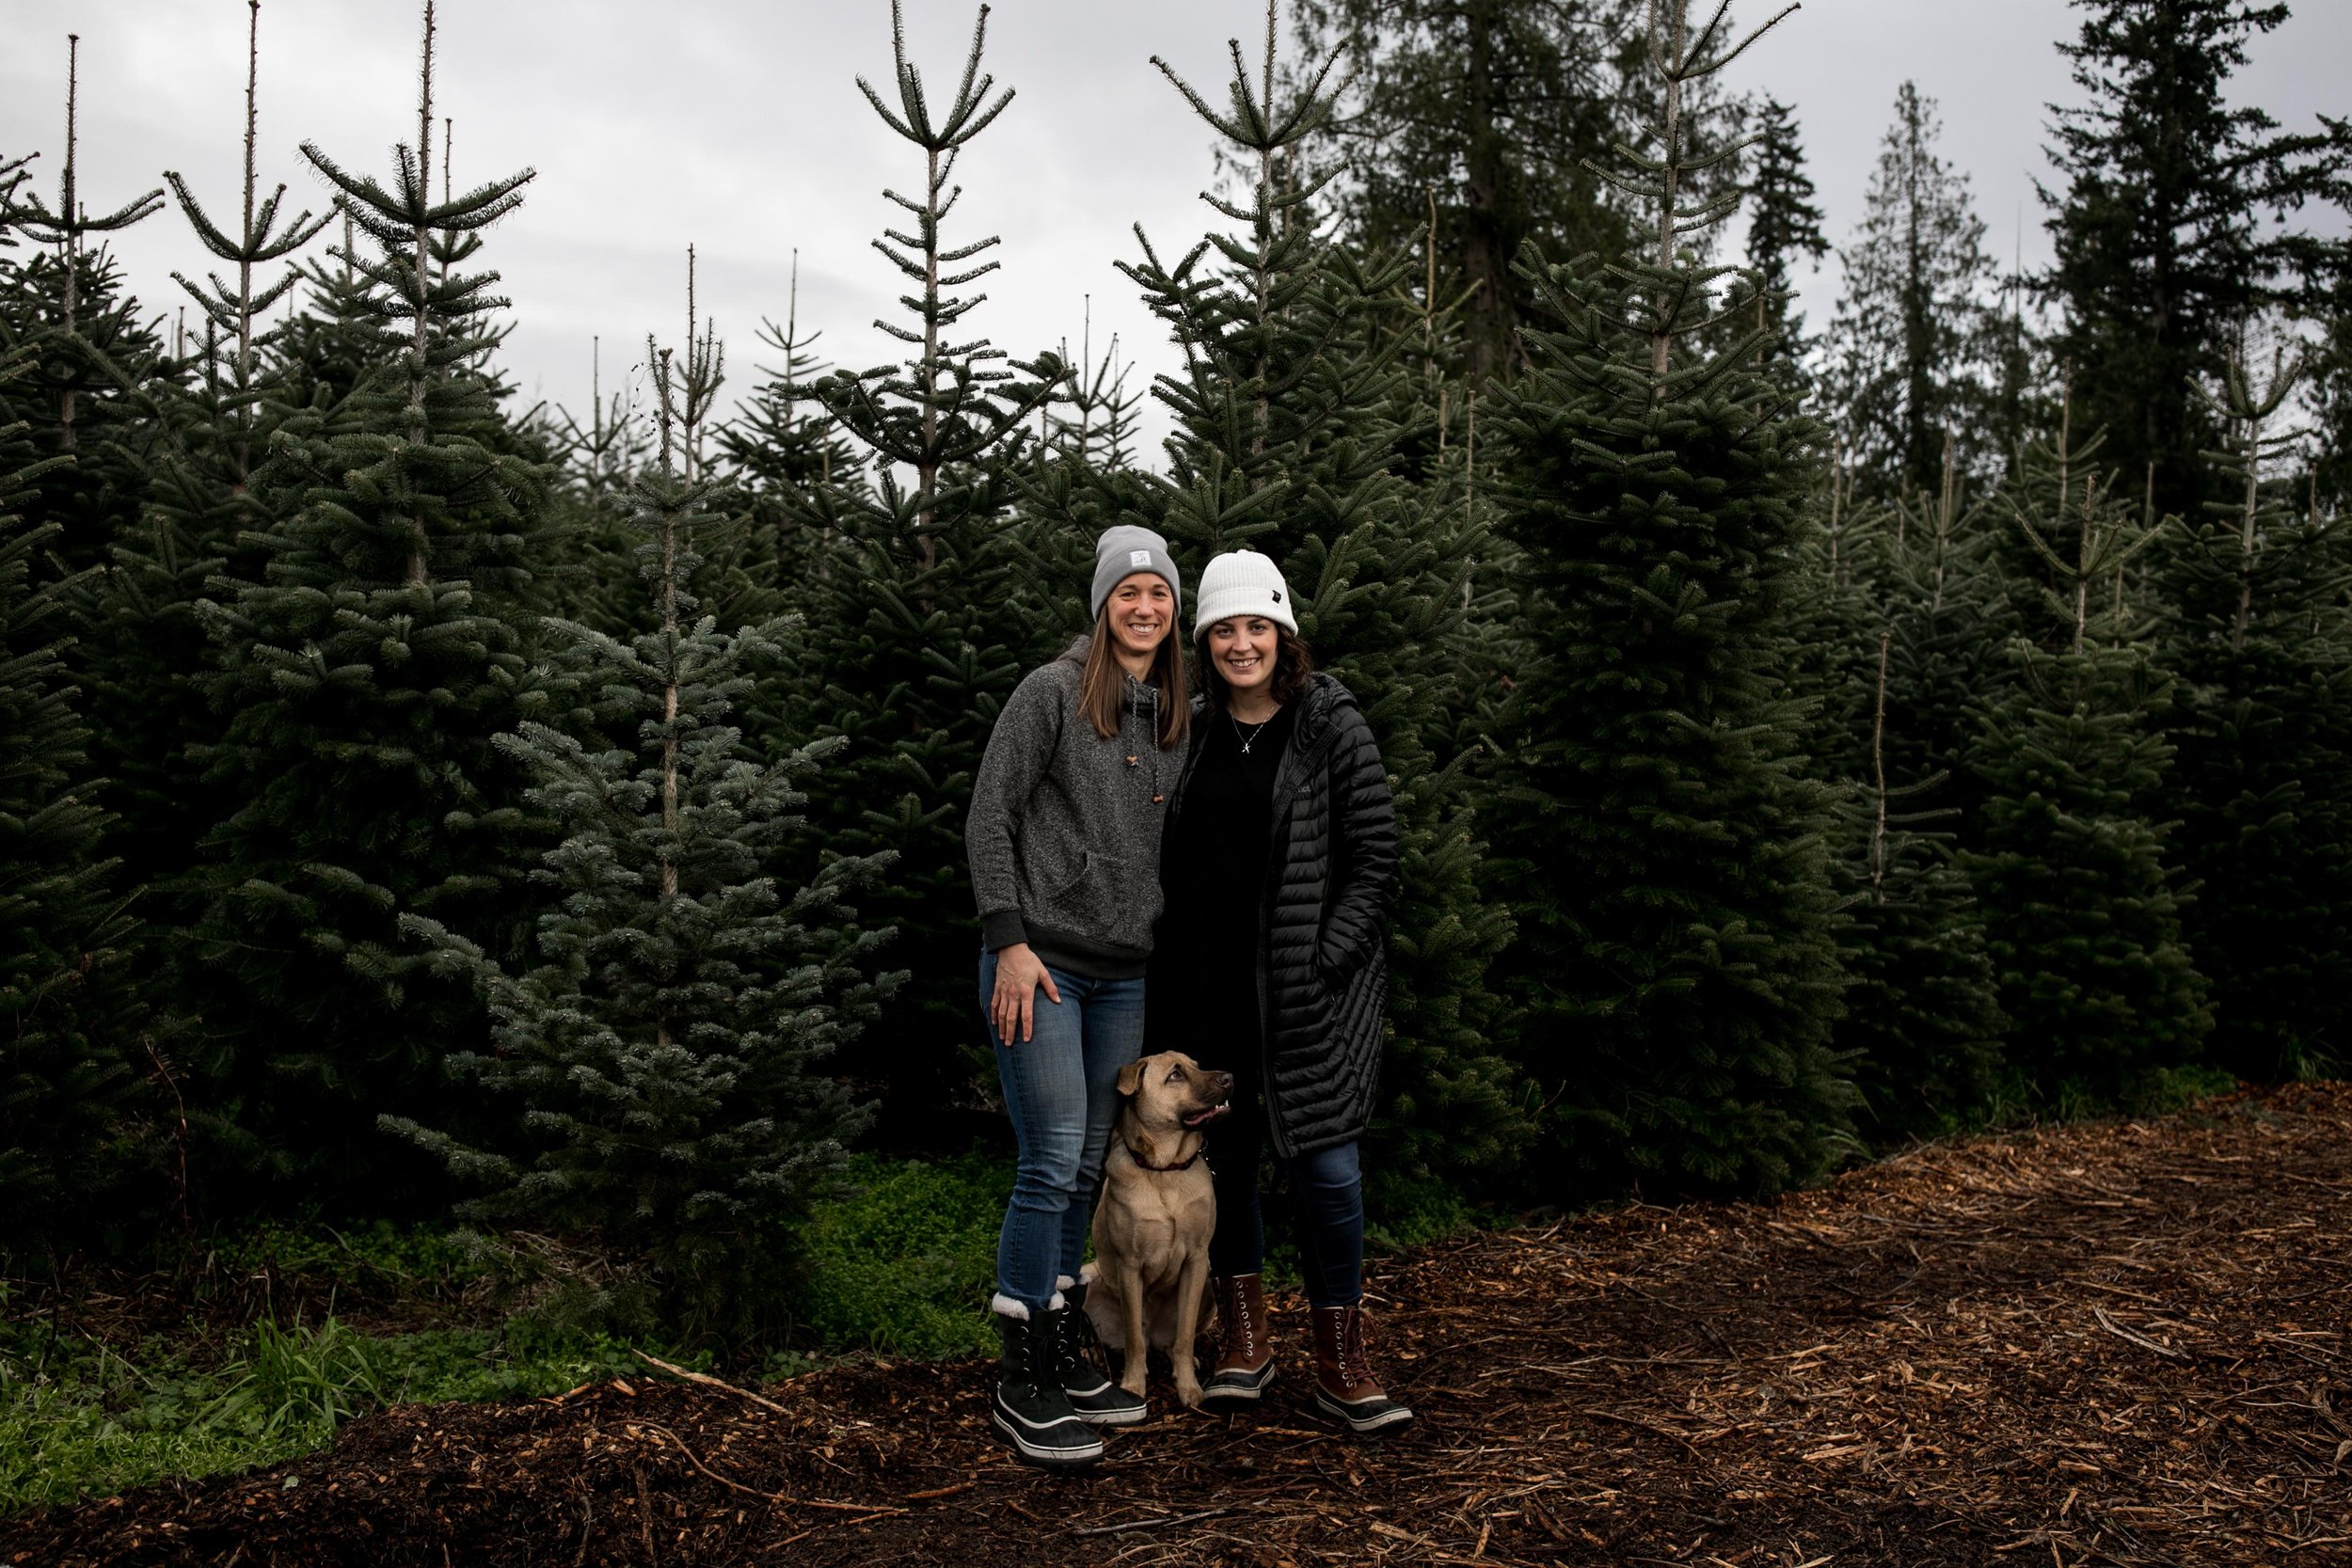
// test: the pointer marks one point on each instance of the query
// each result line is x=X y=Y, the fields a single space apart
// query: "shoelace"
x=1241 y=1332
x=1355 y=1356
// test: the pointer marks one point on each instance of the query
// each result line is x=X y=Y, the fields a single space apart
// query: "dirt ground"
x=2120 y=1344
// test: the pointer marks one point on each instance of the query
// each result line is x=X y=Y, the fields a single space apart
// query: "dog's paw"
x=1189 y=1394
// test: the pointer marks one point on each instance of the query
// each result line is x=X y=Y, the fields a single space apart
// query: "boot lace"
x=1355 y=1350
x=1073 y=1343
x=1241 y=1330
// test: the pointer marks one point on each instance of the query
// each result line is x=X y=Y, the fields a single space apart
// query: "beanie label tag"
x=1139 y=558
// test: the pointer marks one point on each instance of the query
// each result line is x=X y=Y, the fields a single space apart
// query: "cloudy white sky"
x=736 y=125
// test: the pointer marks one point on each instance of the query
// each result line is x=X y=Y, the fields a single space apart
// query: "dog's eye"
x=1175 y=1075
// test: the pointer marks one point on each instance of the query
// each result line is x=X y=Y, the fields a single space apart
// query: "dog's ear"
x=1131 y=1077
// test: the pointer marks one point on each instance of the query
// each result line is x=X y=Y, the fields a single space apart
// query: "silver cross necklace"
x=1255 y=730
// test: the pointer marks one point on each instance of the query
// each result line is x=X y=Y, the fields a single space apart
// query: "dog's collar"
x=1137 y=1155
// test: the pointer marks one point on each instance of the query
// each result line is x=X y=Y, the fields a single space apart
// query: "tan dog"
x=1152 y=1226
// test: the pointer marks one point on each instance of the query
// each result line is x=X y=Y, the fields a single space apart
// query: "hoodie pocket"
x=1109 y=900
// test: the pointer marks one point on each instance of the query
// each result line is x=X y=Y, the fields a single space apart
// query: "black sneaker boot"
x=1078 y=1367
x=1031 y=1411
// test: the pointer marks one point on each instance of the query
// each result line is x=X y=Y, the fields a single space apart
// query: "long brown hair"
x=1102 y=688
x=1293 y=667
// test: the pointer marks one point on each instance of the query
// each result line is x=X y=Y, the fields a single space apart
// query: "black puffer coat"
x=1323 y=966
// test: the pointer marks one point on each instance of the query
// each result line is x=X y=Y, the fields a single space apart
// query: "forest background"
x=1810 y=733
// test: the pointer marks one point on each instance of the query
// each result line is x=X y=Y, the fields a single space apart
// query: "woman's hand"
x=1019 y=974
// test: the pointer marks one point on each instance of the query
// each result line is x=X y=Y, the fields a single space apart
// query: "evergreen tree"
x=68 y=1011
x=1478 y=117
x=1923 y=621
x=90 y=352
x=1666 y=858
x=2263 y=737
x=920 y=621
x=2082 y=903
x=363 y=672
x=664 y=1063
x=1909 y=341
x=1293 y=417
x=1784 y=226
x=147 y=653
x=2165 y=222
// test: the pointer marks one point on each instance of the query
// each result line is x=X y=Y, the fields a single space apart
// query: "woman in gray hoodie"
x=1064 y=839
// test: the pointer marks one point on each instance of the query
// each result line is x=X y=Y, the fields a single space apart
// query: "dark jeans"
x=1327 y=1202
x=1062 y=1088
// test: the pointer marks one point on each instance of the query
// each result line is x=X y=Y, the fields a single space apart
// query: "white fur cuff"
x=1005 y=1307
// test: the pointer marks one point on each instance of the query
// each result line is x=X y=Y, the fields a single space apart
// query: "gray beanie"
x=1123 y=551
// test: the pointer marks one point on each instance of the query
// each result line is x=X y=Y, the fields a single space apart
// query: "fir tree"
x=2166 y=222
x=1909 y=361
x=67 y=1009
x=362 y=675
x=1784 y=226
x=1924 y=618
x=665 y=1062
x=1291 y=418
x=1483 y=111
x=147 y=654
x=1666 y=858
x=2263 y=735
x=2082 y=903
x=920 y=620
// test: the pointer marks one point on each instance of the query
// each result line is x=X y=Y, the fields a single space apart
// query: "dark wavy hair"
x=1293 y=667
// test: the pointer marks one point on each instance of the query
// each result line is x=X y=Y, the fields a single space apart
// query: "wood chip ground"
x=2122 y=1343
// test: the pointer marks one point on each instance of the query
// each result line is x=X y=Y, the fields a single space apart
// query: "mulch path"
x=2122 y=1343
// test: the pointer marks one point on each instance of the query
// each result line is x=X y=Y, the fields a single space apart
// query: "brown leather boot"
x=1346 y=1390
x=1245 y=1362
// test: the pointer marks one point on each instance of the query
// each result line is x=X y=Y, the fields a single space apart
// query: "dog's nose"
x=1225 y=1083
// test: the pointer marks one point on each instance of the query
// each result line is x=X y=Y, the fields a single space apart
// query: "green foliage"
x=897 y=1265
x=664 y=1065
x=364 y=669
x=67 y=1010
x=2260 y=775
x=75 y=1424
x=2082 y=901
x=2165 y=219
x=1666 y=860
x=920 y=621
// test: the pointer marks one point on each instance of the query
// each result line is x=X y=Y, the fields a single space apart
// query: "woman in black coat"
x=1279 y=866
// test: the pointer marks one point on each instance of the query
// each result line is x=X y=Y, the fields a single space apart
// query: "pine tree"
x=919 y=621
x=147 y=649
x=67 y=1010
x=2081 y=901
x=91 y=350
x=1292 y=418
x=2261 y=770
x=1923 y=619
x=666 y=1064
x=1665 y=859
x=1909 y=360
x=2166 y=222
x=1480 y=114
x=1784 y=226
x=363 y=672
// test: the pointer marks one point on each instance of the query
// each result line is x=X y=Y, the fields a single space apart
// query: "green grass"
x=88 y=1421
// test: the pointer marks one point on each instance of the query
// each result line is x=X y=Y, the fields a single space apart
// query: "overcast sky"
x=736 y=125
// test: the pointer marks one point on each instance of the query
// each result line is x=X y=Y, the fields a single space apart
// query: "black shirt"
x=1213 y=862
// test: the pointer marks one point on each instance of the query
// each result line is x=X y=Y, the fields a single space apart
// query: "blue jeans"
x=1061 y=1090
x=1326 y=1201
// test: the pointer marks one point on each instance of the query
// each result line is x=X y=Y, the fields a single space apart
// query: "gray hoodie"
x=1064 y=835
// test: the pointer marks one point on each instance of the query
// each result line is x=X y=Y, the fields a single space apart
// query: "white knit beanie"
x=1242 y=583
